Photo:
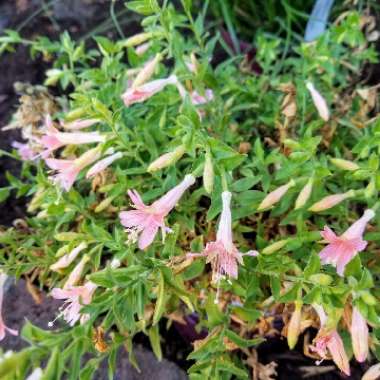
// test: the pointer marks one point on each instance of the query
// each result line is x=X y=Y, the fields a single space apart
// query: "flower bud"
x=67 y=236
x=304 y=194
x=68 y=258
x=76 y=273
x=137 y=39
x=104 y=204
x=373 y=373
x=344 y=164
x=167 y=159
x=294 y=326
x=274 y=247
x=319 y=102
x=275 y=196
x=321 y=279
x=147 y=71
x=359 y=335
x=330 y=201
x=208 y=174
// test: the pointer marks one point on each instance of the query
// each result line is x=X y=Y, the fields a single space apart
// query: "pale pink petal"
x=132 y=218
x=136 y=199
x=328 y=234
x=357 y=228
x=359 y=335
x=147 y=236
x=336 y=348
x=58 y=164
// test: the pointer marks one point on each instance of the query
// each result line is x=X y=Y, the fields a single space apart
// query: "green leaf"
x=154 y=337
x=160 y=302
x=144 y=7
x=241 y=342
x=313 y=266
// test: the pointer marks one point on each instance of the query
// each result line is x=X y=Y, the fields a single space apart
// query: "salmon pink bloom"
x=3 y=328
x=342 y=249
x=328 y=341
x=141 y=93
x=24 y=151
x=75 y=298
x=54 y=139
x=222 y=253
x=103 y=164
x=68 y=170
x=146 y=220
x=319 y=102
x=331 y=342
x=359 y=335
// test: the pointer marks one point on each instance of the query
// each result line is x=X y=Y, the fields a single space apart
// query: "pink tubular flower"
x=342 y=249
x=319 y=102
x=75 y=297
x=329 y=341
x=222 y=253
x=3 y=328
x=24 y=150
x=103 y=164
x=359 y=335
x=195 y=97
x=141 y=93
x=53 y=139
x=146 y=220
x=68 y=170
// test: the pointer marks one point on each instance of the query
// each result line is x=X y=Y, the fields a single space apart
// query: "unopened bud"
x=104 y=204
x=304 y=194
x=373 y=373
x=275 y=196
x=321 y=279
x=76 y=273
x=137 y=39
x=319 y=101
x=67 y=236
x=345 y=164
x=294 y=326
x=208 y=174
x=274 y=247
x=331 y=201
x=147 y=71
x=68 y=258
x=167 y=159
